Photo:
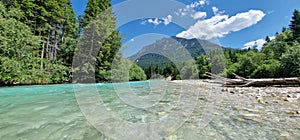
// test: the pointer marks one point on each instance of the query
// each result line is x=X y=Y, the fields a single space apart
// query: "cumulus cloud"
x=199 y=15
x=190 y=9
x=221 y=25
x=257 y=43
x=199 y=3
x=167 y=20
x=183 y=12
x=215 y=10
x=156 y=21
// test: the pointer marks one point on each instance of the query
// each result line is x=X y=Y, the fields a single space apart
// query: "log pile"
x=243 y=82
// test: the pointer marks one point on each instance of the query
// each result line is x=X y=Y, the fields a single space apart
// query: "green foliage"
x=94 y=9
x=290 y=61
x=18 y=49
x=217 y=61
x=275 y=48
x=295 y=25
x=100 y=37
x=124 y=70
x=153 y=72
x=279 y=58
x=189 y=70
x=269 y=69
x=37 y=41
x=203 y=65
x=245 y=66
x=136 y=73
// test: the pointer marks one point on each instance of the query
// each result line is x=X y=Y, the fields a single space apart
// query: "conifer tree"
x=295 y=24
x=99 y=23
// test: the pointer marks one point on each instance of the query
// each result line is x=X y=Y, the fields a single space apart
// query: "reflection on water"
x=52 y=112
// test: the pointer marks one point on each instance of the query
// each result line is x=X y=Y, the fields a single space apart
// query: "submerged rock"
x=260 y=100
x=171 y=137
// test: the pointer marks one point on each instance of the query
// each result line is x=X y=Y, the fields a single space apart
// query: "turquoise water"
x=163 y=111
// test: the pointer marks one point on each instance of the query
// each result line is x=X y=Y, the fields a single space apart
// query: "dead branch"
x=243 y=82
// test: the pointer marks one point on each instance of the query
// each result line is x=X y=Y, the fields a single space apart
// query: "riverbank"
x=264 y=95
x=260 y=112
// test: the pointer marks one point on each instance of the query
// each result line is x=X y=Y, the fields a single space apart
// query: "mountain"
x=172 y=50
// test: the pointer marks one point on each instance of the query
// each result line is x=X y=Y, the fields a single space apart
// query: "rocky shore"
x=263 y=95
x=261 y=112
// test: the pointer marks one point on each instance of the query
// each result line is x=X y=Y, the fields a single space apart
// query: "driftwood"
x=243 y=82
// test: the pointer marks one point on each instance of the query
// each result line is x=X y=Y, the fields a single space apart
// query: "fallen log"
x=265 y=82
x=243 y=82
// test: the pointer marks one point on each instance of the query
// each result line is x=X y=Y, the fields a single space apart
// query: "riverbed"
x=190 y=110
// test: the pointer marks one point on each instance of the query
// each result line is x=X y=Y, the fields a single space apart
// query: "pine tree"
x=295 y=24
x=99 y=31
x=69 y=36
x=267 y=39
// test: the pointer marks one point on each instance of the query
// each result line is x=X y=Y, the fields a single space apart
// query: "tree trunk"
x=243 y=82
x=42 y=55
x=265 y=82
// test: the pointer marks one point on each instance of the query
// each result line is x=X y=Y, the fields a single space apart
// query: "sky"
x=229 y=23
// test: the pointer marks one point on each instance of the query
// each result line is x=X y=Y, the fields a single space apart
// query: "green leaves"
x=23 y=34
x=290 y=61
x=125 y=70
x=100 y=39
x=295 y=24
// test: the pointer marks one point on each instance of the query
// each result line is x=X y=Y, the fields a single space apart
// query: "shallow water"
x=148 y=110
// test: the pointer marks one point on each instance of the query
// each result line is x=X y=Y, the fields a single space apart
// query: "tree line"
x=38 y=40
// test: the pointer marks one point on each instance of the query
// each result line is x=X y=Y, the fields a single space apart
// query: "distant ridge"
x=172 y=49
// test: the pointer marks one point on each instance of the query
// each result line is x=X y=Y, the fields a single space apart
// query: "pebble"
x=171 y=137
x=285 y=99
x=161 y=113
x=249 y=115
x=286 y=135
x=260 y=100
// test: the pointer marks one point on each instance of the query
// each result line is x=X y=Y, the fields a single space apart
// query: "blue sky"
x=230 y=23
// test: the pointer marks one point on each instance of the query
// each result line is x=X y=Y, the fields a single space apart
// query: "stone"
x=171 y=137
x=161 y=113
x=291 y=112
x=285 y=135
x=260 y=100
x=249 y=115
x=285 y=99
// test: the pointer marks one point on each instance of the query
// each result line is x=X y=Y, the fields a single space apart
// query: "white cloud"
x=258 y=43
x=183 y=12
x=215 y=10
x=203 y=2
x=189 y=9
x=167 y=20
x=221 y=25
x=156 y=21
x=199 y=3
x=144 y=22
x=199 y=15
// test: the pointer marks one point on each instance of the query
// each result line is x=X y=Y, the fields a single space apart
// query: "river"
x=142 y=110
